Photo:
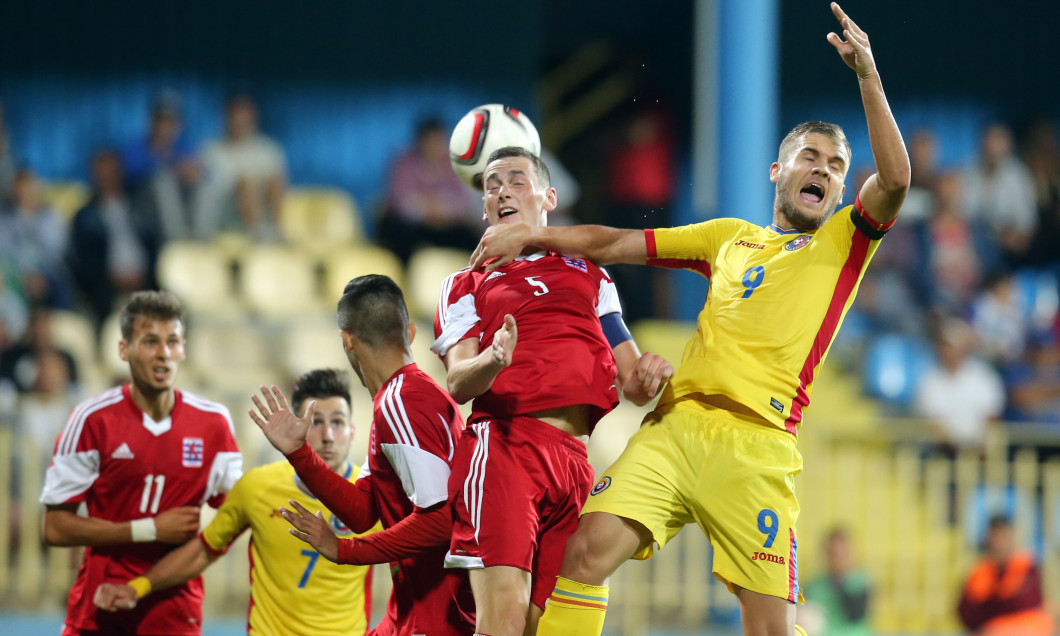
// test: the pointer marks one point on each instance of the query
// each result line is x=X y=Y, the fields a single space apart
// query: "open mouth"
x=812 y=193
x=506 y=212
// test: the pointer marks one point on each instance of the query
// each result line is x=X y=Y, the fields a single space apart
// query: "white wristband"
x=143 y=530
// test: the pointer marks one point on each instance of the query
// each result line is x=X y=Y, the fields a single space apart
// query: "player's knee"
x=583 y=562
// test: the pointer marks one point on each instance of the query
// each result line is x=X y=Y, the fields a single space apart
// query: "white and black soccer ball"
x=483 y=130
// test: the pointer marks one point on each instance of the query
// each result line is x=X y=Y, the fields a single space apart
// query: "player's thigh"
x=745 y=502
x=763 y=615
x=645 y=483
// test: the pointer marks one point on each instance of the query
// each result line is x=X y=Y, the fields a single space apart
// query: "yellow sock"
x=574 y=608
x=800 y=631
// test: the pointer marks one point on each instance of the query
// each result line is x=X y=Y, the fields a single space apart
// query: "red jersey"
x=562 y=357
x=415 y=424
x=124 y=465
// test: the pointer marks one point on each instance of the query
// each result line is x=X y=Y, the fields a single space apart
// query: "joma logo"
x=754 y=246
x=762 y=556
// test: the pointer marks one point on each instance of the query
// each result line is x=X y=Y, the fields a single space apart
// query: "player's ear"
x=412 y=332
x=551 y=200
x=774 y=172
x=123 y=349
x=348 y=340
x=843 y=192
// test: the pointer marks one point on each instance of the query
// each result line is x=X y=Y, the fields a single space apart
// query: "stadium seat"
x=340 y=265
x=894 y=364
x=312 y=343
x=200 y=275
x=427 y=360
x=230 y=355
x=109 y=336
x=278 y=282
x=666 y=338
x=312 y=217
x=75 y=334
x=67 y=197
x=428 y=268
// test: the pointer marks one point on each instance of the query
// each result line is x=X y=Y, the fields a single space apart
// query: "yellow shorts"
x=733 y=476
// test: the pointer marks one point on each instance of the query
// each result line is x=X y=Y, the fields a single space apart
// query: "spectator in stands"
x=998 y=318
x=426 y=203
x=33 y=238
x=113 y=246
x=1034 y=383
x=640 y=177
x=999 y=191
x=161 y=170
x=843 y=593
x=923 y=162
x=960 y=394
x=1003 y=593
x=245 y=178
x=28 y=365
x=1043 y=160
x=14 y=315
x=953 y=252
x=7 y=160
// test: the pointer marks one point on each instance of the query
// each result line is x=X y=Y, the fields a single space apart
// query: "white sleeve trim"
x=69 y=475
x=458 y=318
x=225 y=471
x=608 y=302
x=424 y=475
x=365 y=470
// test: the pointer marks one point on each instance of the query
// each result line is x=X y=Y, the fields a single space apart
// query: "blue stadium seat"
x=894 y=364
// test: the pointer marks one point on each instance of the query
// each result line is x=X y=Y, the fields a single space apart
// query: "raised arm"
x=598 y=243
x=883 y=192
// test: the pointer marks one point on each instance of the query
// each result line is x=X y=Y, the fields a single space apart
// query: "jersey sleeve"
x=76 y=459
x=231 y=519
x=227 y=466
x=418 y=443
x=853 y=230
x=692 y=247
x=457 y=315
x=607 y=301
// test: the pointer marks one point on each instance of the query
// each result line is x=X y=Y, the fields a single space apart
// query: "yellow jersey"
x=775 y=303
x=293 y=590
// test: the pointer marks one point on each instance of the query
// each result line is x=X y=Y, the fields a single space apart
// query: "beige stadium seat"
x=341 y=265
x=313 y=344
x=230 y=355
x=75 y=334
x=278 y=282
x=426 y=359
x=428 y=268
x=109 y=337
x=666 y=338
x=312 y=217
x=200 y=275
x=66 y=196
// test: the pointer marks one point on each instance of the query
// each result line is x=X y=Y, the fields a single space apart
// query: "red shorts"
x=516 y=489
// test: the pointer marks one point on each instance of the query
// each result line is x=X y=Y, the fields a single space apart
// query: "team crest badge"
x=192 y=452
x=797 y=242
x=601 y=486
x=340 y=528
x=576 y=263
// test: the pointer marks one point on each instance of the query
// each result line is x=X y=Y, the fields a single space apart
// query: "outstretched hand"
x=650 y=373
x=855 y=49
x=504 y=340
x=312 y=529
x=284 y=430
x=501 y=243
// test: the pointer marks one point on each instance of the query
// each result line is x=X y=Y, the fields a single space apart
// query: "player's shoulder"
x=205 y=406
x=86 y=415
x=413 y=385
x=108 y=399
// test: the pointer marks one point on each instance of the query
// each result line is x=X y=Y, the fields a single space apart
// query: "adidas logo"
x=494 y=275
x=122 y=452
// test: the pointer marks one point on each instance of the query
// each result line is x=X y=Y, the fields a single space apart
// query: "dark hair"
x=429 y=126
x=158 y=305
x=373 y=309
x=320 y=383
x=540 y=169
x=787 y=146
x=999 y=521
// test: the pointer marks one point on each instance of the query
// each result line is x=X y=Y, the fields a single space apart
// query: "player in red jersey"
x=404 y=482
x=143 y=458
x=520 y=474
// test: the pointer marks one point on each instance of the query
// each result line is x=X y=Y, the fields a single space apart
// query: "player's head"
x=373 y=319
x=152 y=340
x=517 y=188
x=332 y=432
x=1000 y=540
x=810 y=171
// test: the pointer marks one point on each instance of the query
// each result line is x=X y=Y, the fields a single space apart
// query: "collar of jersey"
x=301 y=486
x=779 y=230
x=532 y=257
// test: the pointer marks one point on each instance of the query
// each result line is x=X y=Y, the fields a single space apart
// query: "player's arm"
x=598 y=243
x=470 y=373
x=179 y=566
x=287 y=433
x=882 y=195
x=64 y=527
x=640 y=376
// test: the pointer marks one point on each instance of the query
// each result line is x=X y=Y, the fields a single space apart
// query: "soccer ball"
x=484 y=130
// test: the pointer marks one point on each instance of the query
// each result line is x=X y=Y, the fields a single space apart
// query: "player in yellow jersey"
x=292 y=589
x=720 y=447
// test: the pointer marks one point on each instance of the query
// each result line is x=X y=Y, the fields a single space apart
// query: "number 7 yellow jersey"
x=776 y=300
